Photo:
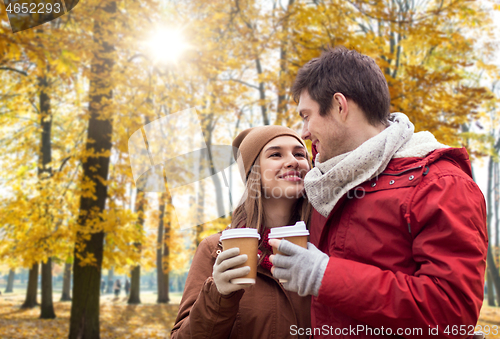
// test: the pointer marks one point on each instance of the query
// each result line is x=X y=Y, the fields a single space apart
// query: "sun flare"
x=166 y=45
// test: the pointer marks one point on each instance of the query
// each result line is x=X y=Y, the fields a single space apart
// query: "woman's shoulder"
x=211 y=244
x=212 y=239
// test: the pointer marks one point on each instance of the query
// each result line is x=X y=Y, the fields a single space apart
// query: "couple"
x=397 y=227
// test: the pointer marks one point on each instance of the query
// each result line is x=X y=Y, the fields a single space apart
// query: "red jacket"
x=407 y=251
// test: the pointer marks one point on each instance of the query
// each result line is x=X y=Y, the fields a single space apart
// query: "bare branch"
x=13 y=70
x=244 y=83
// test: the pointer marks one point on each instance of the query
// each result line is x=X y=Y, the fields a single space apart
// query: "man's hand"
x=303 y=268
x=224 y=270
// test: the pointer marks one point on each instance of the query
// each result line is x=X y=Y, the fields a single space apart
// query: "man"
x=399 y=223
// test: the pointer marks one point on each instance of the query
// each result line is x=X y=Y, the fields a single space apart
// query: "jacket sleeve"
x=203 y=311
x=448 y=221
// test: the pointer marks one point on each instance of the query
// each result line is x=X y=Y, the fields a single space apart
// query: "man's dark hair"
x=356 y=76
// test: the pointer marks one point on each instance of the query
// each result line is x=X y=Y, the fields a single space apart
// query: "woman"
x=273 y=162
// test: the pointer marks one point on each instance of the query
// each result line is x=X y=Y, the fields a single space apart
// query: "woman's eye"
x=300 y=155
x=275 y=154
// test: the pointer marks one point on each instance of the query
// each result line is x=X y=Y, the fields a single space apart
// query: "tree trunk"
x=32 y=289
x=200 y=210
x=135 y=286
x=284 y=73
x=10 y=281
x=166 y=251
x=166 y=287
x=159 y=252
x=23 y=276
x=65 y=296
x=262 y=93
x=162 y=253
x=230 y=197
x=47 y=309
x=135 y=279
x=496 y=199
x=84 y=319
x=109 y=288
x=490 y=261
x=209 y=125
x=490 y=289
x=494 y=274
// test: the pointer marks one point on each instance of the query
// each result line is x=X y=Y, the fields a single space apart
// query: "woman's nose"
x=291 y=162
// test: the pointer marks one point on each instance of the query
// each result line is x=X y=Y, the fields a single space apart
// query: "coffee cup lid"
x=240 y=233
x=297 y=230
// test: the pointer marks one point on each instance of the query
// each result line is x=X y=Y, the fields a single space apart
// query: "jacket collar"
x=458 y=156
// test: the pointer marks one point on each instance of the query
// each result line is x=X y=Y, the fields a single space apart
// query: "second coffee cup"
x=296 y=234
x=247 y=240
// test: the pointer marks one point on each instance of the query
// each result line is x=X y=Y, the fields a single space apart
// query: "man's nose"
x=305 y=132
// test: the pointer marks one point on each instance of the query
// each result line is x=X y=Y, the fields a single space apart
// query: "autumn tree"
x=44 y=170
x=35 y=232
x=491 y=149
x=84 y=322
x=426 y=50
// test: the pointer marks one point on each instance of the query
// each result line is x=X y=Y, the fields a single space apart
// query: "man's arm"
x=448 y=218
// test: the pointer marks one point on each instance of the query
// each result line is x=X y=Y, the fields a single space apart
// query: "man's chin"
x=322 y=158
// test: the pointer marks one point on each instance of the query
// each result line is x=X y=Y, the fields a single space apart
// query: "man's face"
x=326 y=132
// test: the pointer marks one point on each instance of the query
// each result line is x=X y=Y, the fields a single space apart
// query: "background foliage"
x=236 y=66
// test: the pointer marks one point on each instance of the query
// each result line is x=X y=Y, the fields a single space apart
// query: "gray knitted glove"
x=303 y=268
x=223 y=270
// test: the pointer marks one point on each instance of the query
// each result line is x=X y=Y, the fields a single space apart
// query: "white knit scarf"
x=329 y=181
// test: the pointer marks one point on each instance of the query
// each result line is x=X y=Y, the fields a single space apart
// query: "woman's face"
x=283 y=166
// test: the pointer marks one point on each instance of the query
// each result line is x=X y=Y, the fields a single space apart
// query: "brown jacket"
x=264 y=310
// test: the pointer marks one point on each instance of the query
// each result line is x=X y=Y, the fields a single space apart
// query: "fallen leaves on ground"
x=489 y=321
x=117 y=320
x=120 y=320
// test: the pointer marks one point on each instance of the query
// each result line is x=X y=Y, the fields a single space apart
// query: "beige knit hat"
x=251 y=141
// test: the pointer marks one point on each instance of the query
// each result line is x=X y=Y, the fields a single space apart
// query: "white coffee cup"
x=296 y=234
x=247 y=240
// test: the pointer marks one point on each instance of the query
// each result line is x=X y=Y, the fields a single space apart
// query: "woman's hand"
x=224 y=270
